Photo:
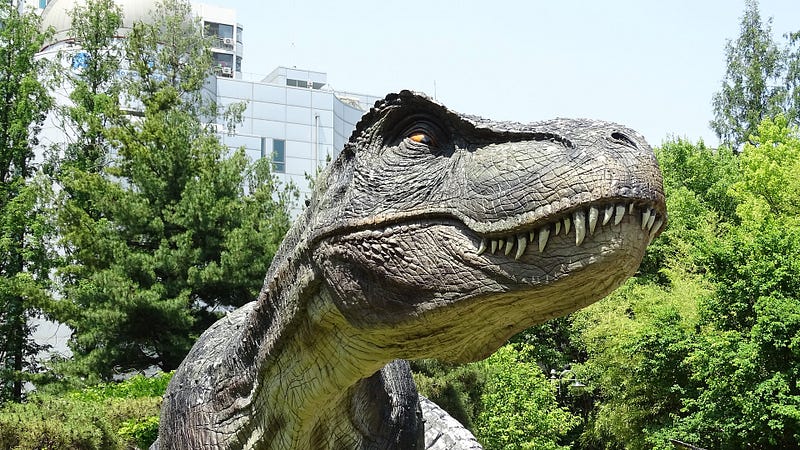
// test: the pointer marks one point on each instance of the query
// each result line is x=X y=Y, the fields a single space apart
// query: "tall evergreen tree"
x=184 y=229
x=753 y=87
x=24 y=261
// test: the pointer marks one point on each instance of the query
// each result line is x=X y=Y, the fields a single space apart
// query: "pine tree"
x=24 y=259
x=184 y=229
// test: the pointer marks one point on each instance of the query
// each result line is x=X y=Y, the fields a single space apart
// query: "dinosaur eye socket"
x=421 y=138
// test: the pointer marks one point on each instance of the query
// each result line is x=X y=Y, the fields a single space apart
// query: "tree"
x=519 y=409
x=637 y=341
x=792 y=84
x=24 y=259
x=749 y=351
x=94 y=83
x=184 y=229
x=753 y=87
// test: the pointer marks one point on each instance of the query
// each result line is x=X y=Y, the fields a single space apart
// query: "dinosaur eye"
x=421 y=138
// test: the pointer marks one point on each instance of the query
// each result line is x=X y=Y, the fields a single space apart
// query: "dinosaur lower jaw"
x=580 y=222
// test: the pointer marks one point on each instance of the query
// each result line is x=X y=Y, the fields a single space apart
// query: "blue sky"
x=650 y=65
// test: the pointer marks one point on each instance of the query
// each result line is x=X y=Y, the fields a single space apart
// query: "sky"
x=650 y=65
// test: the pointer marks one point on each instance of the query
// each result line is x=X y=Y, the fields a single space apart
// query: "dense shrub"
x=110 y=416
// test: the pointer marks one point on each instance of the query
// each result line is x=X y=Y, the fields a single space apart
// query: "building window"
x=42 y=3
x=279 y=155
x=222 y=32
x=296 y=83
x=238 y=63
x=223 y=64
x=239 y=32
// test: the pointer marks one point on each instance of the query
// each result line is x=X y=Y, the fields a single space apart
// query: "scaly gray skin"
x=442 y=248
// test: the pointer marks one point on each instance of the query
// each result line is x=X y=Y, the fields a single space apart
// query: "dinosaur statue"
x=432 y=235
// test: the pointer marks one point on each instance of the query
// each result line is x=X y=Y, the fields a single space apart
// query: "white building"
x=292 y=114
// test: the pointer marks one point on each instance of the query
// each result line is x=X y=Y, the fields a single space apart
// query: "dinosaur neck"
x=310 y=373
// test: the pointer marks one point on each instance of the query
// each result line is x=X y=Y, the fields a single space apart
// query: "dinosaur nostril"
x=623 y=139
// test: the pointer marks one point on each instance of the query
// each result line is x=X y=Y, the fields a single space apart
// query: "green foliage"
x=697 y=182
x=770 y=170
x=519 y=408
x=748 y=352
x=110 y=416
x=25 y=259
x=551 y=344
x=455 y=388
x=95 y=87
x=708 y=361
x=142 y=432
x=637 y=340
x=753 y=87
x=177 y=230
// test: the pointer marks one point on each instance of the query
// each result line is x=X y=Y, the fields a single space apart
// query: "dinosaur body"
x=433 y=235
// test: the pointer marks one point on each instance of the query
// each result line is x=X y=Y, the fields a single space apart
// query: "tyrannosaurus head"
x=455 y=232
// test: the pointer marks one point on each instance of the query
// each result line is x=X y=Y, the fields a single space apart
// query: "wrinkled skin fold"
x=432 y=235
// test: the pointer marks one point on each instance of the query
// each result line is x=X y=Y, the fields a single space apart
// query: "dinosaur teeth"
x=585 y=222
x=579 y=218
x=544 y=234
x=645 y=217
x=509 y=246
x=593 y=215
x=656 y=227
x=619 y=214
x=482 y=247
x=609 y=211
x=522 y=243
x=651 y=220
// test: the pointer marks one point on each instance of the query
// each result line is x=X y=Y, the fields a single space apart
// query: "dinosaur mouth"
x=581 y=222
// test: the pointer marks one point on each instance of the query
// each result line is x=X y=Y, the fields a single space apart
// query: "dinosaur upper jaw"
x=398 y=272
x=581 y=223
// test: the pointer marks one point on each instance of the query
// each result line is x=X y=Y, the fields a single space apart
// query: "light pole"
x=565 y=375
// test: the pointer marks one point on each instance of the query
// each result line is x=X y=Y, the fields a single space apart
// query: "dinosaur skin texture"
x=432 y=235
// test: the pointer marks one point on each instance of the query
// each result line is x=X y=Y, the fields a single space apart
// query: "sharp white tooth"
x=652 y=219
x=645 y=217
x=482 y=247
x=619 y=214
x=656 y=227
x=630 y=208
x=608 y=213
x=544 y=234
x=494 y=245
x=593 y=214
x=558 y=227
x=531 y=235
x=522 y=243
x=509 y=245
x=567 y=224
x=579 y=217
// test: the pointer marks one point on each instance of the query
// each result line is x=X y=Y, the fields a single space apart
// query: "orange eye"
x=421 y=138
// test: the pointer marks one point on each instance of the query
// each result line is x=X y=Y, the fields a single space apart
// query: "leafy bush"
x=455 y=388
x=519 y=409
x=109 y=416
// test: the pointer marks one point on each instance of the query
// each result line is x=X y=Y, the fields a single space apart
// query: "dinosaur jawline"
x=582 y=222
